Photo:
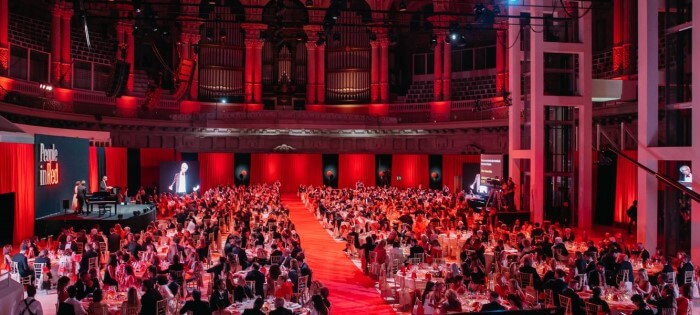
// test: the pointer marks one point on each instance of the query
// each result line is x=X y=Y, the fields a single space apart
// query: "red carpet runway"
x=351 y=292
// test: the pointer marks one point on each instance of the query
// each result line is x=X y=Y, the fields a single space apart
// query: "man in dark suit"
x=557 y=285
x=149 y=299
x=280 y=309
x=85 y=260
x=113 y=241
x=598 y=277
x=22 y=265
x=196 y=305
x=577 y=304
x=528 y=268
x=492 y=305
x=103 y=184
x=85 y=285
x=626 y=265
x=70 y=244
x=684 y=267
x=259 y=278
x=219 y=299
x=82 y=196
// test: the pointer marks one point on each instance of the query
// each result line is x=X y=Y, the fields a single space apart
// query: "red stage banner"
x=150 y=164
x=291 y=170
x=625 y=186
x=452 y=166
x=93 y=181
x=115 y=167
x=216 y=169
x=354 y=167
x=411 y=168
x=17 y=175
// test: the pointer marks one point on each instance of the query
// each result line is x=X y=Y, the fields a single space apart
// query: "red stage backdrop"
x=625 y=186
x=354 y=167
x=150 y=164
x=93 y=181
x=452 y=166
x=115 y=167
x=17 y=169
x=215 y=169
x=291 y=170
x=412 y=168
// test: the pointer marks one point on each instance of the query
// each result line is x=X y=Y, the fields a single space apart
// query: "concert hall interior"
x=349 y=156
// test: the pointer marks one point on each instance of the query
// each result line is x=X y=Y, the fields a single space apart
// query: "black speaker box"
x=66 y=204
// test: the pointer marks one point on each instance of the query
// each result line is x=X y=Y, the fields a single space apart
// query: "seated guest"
x=557 y=285
x=258 y=277
x=528 y=268
x=219 y=298
x=240 y=290
x=685 y=306
x=97 y=306
x=285 y=289
x=85 y=285
x=132 y=301
x=43 y=258
x=85 y=259
x=196 y=306
x=560 y=248
x=280 y=309
x=596 y=299
x=451 y=304
x=256 y=309
x=577 y=304
x=149 y=299
x=666 y=299
x=516 y=303
x=598 y=277
x=625 y=267
x=318 y=307
x=492 y=305
x=642 y=308
x=73 y=301
x=22 y=265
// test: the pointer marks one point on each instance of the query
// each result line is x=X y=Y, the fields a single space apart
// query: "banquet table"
x=113 y=300
x=619 y=303
x=11 y=293
x=238 y=308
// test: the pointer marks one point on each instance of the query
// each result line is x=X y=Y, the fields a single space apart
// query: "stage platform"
x=125 y=216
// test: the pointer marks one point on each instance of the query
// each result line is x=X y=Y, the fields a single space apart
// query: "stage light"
x=402 y=6
x=223 y=101
x=212 y=2
x=46 y=87
x=309 y=3
x=453 y=36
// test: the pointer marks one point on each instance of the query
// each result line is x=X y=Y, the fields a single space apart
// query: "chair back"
x=303 y=282
x=623 y=276
x=420 y=256
x=688 y=277
x=593 y=309
x=251 y=285
x=162 y=307
x=548 y=298
x=39 y=274
x=667 y=311
x=92 y=263
x=525 y=279
x=130 y=310
x=671 y=277
x=372 y=257
x=565 y=303
x=15 y=268
x=178 y=276
x=81 y=248
x=531 y=296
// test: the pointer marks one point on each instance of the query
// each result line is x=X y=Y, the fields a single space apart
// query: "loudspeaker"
x=66 y=204
x=7 y=224
x=118 y=78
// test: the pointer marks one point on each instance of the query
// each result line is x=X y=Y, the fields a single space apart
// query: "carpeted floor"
x=351 y=292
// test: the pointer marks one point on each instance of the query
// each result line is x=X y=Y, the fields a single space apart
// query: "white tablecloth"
x=11 y=293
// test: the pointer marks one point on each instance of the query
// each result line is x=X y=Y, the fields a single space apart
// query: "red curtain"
x=412 y=168
x=625 y=186
x=354 y=167
x=150 y=164
x=17 y=175
x=291 y=170
x=452 y=166
x=216 y=169
x=93 y=181
x=115 y=167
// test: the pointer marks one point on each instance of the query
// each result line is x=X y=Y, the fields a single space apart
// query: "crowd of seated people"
x=530 y=261
x=262 y=257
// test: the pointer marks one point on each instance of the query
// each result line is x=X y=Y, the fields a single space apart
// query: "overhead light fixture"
x=402 y=6
x=46 y=87
x=309 y=3
x=222 y=34
x=212 y=2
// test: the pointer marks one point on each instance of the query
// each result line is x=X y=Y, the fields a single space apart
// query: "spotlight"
x=309 y=3
x=453 y=36
x=212 y=2
x=135 y=31
x=223 y=101
x=433 y=40
x=46 y=87
x=479 y=9
x=402 y=6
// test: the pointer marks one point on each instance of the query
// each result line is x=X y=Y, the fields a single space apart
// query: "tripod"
x=495 y=196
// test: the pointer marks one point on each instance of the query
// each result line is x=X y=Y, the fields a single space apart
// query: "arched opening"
x=284 y=52
x=348 y=52
x=221 y=52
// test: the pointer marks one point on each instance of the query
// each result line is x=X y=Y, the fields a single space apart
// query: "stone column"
x=311 y=71
x=447 y=70
x=66 y=59
x=374 y=74
x=56 y=43
x=4 y=37
x=437 y=68
x=384 y=69
x=501 y=74
x=257 y=72
x=248 y=75
x=321 y=74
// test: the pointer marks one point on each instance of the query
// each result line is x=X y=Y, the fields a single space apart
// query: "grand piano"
x=102 y=199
